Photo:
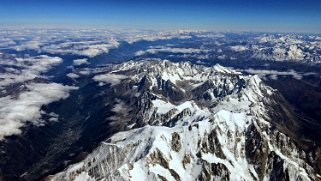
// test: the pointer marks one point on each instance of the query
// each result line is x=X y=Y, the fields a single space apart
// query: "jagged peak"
x=155 y=70
x=190 y=140
x=158 y=66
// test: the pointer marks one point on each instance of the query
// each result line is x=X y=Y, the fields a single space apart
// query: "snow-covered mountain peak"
x=191 y=122
x=170 y=70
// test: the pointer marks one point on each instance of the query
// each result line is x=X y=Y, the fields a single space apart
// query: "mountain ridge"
x=190 y=122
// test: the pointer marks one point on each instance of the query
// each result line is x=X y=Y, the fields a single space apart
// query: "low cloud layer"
x=20 y=69
x=170 y=50
x=109 y=78
x=73 y=75
x=82 y=61
x=77 y=42
x=85 y=48
x=16 y=111
x=272 y=73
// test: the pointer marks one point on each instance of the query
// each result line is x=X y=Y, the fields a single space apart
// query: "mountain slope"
x=190 y=122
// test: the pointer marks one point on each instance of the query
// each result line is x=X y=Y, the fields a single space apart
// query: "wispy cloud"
x=162 y=49
x=15 y=112
x=272 y=73
x=73 y=75
x=82 y=61
x=20 y=69
x=109 y=78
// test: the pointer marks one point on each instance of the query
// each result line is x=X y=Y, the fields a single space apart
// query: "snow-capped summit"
x=191 y=122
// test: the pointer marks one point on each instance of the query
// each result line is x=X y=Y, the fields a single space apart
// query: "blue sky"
x=220 y=15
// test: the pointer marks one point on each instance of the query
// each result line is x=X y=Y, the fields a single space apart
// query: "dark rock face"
x=186 y=160
x=157 y=157
x=275 y=166
x=170 y=90
x=213 y=171
x=212 y=145
x=256 y=150
x=315 y=158
x=176 y=145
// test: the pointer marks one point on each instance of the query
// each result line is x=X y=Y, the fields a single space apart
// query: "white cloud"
x=238 y=48
x=6 y=42
x=112 y=79
x=140 y=53
x=15 y=112
x=73 y=75
x=222 y=57
x=170 y=50
x=139 y=35
x=82 y=61
x=29 y=45
x=85 y=71
x=26 y=68
x=78 y=42
x=84 y=47
x=272 y=73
